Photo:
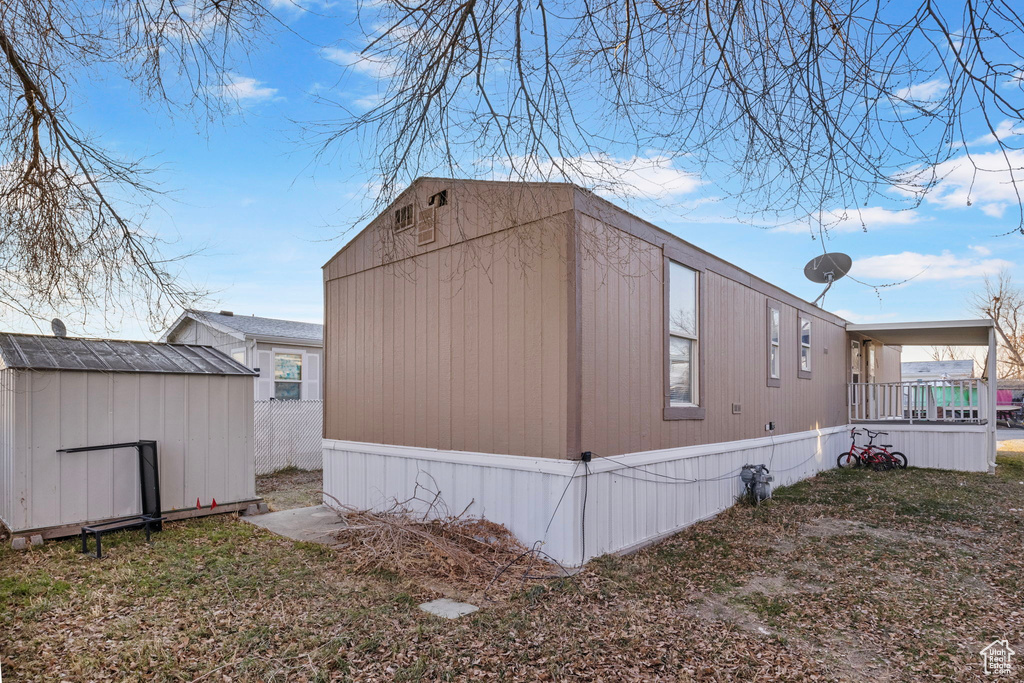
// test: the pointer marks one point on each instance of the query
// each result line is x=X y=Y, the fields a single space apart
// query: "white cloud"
x=980 y=250
x=650 y=177
x=921 y=92
x=988 y=181
x=910 y=264
x=245 y=89
x=995 y=210
x=1004 y=131
x=1016 y=79
x=367 y=65
x=854 y=220
x=367 y=101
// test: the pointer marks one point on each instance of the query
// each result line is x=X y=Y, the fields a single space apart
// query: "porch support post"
x=993 y=385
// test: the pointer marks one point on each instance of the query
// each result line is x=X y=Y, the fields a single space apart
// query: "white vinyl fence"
x=288 y=434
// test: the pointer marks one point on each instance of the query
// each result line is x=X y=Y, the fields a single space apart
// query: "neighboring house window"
x=683 y=340
x=774 y=341
x=804 y=371
x=403 y=217
x=288 y=376
x=238 y=355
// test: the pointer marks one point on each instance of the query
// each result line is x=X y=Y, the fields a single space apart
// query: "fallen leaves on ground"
x=849 y=576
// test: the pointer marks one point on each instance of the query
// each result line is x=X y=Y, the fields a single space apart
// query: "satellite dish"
x=826 y=269
x=58 y=328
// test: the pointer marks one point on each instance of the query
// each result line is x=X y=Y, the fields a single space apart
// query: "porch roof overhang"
x=932 y=333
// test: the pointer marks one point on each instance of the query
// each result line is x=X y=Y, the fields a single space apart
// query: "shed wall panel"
x=203 y=426
x=7 y=442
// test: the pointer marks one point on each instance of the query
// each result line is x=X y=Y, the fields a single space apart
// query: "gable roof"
x=242 y=326
x=38 y=352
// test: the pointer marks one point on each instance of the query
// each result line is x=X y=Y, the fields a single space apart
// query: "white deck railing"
x=933 y=401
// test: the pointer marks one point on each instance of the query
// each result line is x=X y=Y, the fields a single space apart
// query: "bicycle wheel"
x=900 y=459
x=847 y=461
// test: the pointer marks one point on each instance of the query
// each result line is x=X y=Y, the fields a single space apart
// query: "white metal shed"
x=58 y=393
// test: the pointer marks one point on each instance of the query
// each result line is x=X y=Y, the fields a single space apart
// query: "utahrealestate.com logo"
x=997 y=656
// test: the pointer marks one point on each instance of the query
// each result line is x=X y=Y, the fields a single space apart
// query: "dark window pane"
x=287 y=391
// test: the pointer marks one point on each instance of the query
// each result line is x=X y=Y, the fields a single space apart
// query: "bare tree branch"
x=71 y=213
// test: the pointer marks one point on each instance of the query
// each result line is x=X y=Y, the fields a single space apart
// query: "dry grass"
x=848 y=576
x=290 y=488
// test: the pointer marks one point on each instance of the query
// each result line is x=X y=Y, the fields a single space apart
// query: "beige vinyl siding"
x=889 y=364
x=203 y=425
x=502 y=339
x=459 y=347
x=623 y=366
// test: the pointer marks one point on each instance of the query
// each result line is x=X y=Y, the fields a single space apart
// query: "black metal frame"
x=149 y=483
x=97 y=531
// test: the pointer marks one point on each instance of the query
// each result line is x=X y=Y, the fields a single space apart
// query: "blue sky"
x=248 y=190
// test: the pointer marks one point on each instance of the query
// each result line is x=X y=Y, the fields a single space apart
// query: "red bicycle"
x=878 y=457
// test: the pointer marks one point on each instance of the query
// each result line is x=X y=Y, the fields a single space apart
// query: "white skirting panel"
x=630 y=499
x=944 y=447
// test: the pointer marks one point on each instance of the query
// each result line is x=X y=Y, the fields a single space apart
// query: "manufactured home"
x=60 y=398
x=592 y=381
x=285 y=354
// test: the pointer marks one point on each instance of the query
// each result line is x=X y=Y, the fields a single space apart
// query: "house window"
x=683 y=337
x=403 y=217
x=804 y=371
x=774 y=360
x=288 y=376
x=238 y=355
x=439 y=199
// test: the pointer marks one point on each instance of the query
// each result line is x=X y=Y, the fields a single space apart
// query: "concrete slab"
x=316 y=524
x=449 y=609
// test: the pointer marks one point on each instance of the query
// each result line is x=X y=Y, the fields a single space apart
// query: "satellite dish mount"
x=826 y=269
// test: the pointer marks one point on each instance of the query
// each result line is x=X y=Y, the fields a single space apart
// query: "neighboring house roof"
x=956 y=369
x=38 y=352
x=243 y=326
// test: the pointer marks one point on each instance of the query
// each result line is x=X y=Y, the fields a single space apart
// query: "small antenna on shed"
x=58 y=328
x=826 y=269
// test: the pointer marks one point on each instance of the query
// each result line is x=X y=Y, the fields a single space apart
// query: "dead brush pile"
x=420 y=539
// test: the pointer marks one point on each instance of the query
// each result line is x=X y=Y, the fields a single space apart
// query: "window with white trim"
x=774 y=341
x=684 y=336
x=805 y=347
x=288 y=376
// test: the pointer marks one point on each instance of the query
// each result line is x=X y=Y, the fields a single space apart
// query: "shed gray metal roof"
x=38 y=352
x=264 y=327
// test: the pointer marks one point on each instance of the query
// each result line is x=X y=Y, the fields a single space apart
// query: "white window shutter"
x=265 y=382
x=311 y=377
x=425 y=224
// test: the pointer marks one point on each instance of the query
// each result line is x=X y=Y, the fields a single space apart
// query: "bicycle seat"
x=885 y=445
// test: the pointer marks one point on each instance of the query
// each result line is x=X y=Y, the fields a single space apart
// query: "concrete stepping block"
x=449 y=609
